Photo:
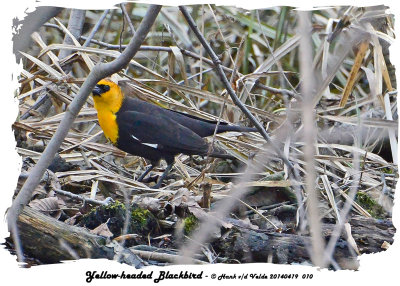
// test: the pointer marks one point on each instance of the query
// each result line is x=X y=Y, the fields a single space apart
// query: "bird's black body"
x=173 y=132
x=156 y=133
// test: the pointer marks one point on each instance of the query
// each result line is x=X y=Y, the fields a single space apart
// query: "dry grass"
x=354 y=100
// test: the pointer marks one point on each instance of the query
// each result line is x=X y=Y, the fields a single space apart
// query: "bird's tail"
x=222 y=156
x=219 y=153
x=236 y=128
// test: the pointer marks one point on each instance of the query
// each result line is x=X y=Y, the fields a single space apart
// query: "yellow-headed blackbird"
x=155 y=133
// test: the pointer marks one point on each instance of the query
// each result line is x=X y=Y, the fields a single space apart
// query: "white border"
x=375 y=268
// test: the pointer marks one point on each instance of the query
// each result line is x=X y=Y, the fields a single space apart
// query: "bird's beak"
x=96 y=90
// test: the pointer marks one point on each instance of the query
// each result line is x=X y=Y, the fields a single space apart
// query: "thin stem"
x=96 y=28
x=309 y=126
x=83 y=199
x=127 y=18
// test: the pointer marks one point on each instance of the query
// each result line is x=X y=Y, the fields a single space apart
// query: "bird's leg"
x=161 y=179
x=149 y=168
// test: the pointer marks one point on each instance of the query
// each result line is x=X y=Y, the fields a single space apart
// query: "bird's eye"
x=100 y=89
x=104 y=87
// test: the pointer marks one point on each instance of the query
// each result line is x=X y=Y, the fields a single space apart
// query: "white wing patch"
x=155 y=146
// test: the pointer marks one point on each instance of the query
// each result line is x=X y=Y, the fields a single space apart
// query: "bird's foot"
x=150 y=179
x=140 y=179
x=163 y=176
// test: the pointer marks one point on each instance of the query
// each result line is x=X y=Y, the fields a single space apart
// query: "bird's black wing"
x=200 y=126
x=160 y=132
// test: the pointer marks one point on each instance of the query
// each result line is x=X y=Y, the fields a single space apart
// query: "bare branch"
x=32 y=22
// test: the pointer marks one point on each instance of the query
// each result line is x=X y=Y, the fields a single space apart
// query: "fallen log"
x=245 y=245
x=52 y=241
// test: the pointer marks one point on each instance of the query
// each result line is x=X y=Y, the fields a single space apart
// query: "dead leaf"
x=183 y=198
x=49 y=206
x=102 y=230
x=362 y=50
x=149 y=203
x=72 y=220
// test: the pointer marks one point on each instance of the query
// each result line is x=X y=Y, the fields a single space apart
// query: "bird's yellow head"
x=107 y=96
